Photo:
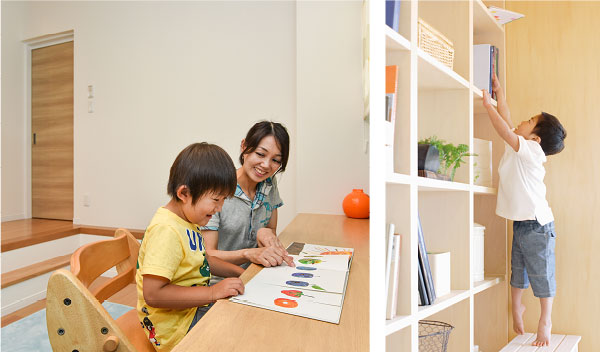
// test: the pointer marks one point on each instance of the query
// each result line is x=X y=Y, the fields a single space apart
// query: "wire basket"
x=433 y=336
x=435 y=43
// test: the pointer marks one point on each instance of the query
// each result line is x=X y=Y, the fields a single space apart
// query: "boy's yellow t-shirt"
x=172 y=248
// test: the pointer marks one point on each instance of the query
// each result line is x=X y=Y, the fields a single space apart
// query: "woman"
x=244 y=231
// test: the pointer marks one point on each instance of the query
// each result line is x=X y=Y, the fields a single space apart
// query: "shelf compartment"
x=398 y=212
x=483 y=21
x=488 y=282
x=446 y=227
x=433 y=75
x=398 y=153
x=400 y=339
x=451 y=19
x=489 y=306
x=495 y=246
x=458 y=315
x=394 y=41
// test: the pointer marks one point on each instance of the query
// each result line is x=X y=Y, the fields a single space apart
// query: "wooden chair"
x=75 y=317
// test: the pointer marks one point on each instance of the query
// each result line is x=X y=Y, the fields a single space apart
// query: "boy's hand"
x=232 y=286
x=487 y=100
x=269 y=256
x=496 y=84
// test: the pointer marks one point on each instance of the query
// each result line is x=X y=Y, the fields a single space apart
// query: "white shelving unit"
x=436 y=100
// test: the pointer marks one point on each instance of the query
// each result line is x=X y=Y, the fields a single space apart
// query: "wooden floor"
x=27 y=232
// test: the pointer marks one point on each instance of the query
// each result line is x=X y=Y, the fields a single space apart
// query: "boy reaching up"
x=522 y=198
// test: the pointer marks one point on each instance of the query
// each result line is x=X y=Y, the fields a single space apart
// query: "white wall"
x=12 y=124
x=332 y=159
x=169 y=74
x=165 y=75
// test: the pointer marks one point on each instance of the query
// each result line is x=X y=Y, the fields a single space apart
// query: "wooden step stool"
x=558 y=343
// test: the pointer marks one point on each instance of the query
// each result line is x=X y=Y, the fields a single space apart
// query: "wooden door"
x=52 y=132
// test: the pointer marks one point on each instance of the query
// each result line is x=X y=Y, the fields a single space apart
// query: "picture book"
x=314 y=288
x=504 y=16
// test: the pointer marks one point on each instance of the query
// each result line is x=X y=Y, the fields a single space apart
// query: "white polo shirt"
x=521 y=190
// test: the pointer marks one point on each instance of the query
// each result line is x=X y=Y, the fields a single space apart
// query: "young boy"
x=173 y=267
x=522 y=198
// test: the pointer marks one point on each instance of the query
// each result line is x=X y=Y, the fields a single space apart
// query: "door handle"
x=34 y=138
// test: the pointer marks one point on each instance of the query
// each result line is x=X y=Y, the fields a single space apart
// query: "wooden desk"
x=237 y=327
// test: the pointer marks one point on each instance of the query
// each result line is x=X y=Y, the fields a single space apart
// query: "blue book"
x=392 y=14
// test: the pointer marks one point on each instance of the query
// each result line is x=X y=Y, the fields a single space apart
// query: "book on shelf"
x=485 y=62
x=424 y=261
x=391 y=93
x=423 y=296
x=393 y=275
x=392 y=14
x=504 y=16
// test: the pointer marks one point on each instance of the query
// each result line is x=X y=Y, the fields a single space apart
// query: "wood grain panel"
x=52 y=124
x=552 y=66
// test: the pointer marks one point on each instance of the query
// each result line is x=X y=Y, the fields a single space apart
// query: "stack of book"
x=427 y=293
x=485 y=62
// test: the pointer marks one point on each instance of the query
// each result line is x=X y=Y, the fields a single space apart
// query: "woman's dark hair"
x=202 y=168
x=263 y=129
x=551 y=133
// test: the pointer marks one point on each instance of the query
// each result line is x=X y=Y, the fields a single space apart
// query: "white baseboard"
x=13 y=217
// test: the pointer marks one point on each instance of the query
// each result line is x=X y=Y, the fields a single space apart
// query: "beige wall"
x=553 y=65
x=166 y=75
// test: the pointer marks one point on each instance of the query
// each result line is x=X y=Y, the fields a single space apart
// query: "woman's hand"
x=266 y=237
x=269 y=256
x=232 y=286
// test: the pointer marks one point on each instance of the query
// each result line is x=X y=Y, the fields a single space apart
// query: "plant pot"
x=429 y=158
x=356 y=204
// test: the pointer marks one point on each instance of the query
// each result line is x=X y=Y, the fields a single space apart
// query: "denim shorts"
x=200 y=311
x=532 y=257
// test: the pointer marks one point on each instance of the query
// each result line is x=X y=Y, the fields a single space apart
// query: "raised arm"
x=500 y=125
x=501 y=100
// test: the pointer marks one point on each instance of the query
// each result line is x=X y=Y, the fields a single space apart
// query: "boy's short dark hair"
x=551 y=133
x=263 y=129
x=203 y=168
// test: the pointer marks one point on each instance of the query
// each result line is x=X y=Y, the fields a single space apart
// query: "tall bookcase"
x=436 y=100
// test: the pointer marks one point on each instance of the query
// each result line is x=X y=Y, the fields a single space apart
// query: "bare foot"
x=543 y=334
x=517 y=313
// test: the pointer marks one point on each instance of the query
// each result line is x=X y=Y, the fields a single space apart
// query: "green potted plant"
x=451 y=156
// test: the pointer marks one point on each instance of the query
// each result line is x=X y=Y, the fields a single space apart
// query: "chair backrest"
x=93 y=259
x=75 y=317
x=77 y=321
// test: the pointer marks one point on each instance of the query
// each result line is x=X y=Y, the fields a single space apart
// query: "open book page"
x=315 y=288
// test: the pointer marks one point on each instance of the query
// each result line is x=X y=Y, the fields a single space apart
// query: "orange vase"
x=356 y=204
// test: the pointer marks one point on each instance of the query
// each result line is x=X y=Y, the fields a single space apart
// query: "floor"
x=21 y=233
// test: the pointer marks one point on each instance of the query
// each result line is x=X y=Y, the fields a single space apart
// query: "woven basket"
x=435 y=44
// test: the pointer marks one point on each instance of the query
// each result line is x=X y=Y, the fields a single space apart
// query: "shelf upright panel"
x=377 y=172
